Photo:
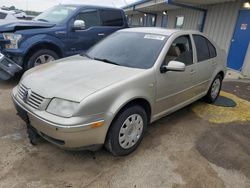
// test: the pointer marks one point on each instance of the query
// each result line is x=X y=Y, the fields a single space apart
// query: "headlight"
x=14 y=39
x=61 y=107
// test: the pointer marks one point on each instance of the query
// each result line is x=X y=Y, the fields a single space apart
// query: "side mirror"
x=173 y=66
x=79 y=25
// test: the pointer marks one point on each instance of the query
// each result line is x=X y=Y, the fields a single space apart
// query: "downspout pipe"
x=171 y=2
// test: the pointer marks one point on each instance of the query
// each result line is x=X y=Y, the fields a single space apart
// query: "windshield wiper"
x=43 y=20
x=106 y=61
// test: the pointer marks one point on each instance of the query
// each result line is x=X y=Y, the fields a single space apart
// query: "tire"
x=214 y=90
x=131 y=133
x=33 y=60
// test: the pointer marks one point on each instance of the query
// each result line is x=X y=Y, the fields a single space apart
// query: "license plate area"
x=22 y=113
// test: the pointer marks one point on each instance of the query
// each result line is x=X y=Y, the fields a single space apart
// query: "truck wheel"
x=127 y=131
x=41 y=57
x=214 y=90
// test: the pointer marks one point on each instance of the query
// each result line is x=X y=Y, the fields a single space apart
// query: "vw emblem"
x=26 y=95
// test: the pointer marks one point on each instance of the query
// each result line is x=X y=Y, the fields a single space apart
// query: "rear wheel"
x=41 y=57
x=214 y=90
x=127 y=131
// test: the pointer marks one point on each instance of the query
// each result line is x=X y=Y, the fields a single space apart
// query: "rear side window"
x=91 y=18
x=111 y=17
x=2 y=15
x=205 y=49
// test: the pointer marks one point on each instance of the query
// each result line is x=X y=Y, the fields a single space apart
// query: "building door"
x=164 y=21
x=240 y=41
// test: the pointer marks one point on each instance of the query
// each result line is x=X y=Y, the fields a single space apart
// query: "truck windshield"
x=56 y=14
x=130 y=49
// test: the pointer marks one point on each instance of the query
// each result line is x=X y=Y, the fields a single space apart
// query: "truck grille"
x=31 y=98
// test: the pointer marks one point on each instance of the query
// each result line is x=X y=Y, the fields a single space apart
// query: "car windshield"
x=56 y=14
x=137 y=50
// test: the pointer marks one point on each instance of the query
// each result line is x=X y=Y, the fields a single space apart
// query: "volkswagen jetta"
x=110 y=94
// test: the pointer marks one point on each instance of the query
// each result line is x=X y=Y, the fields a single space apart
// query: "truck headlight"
x=13 y=38
x=62 y=108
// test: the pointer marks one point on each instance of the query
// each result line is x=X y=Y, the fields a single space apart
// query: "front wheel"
x=214 y=90
x=127 y=131
x=41 y=57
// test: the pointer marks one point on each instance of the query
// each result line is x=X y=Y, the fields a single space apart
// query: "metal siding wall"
x=192 y=18
x=220 y=22
x=219 y=25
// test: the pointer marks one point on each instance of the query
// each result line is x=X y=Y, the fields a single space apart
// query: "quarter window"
x=205 y=49
x=212 y=49
x=111 y=18
x=180 y=50
x=90 y=18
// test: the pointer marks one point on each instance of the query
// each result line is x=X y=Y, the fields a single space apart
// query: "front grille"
x=28 y=96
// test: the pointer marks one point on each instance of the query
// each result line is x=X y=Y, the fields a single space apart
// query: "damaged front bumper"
x=8 y=68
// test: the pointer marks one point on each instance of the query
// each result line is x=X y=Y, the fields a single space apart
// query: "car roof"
x=90 y=6
x=158 y=30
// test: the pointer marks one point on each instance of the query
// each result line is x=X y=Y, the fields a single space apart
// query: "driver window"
x=180 y=50
x=91 y=18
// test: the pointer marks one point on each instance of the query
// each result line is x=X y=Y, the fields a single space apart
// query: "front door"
x=240 y=41
x=175 y=88
x=82 y=39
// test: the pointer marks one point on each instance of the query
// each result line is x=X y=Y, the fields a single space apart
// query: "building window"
x=129 y=18
x=149 y=20
x=179 y=22
x=141 y=22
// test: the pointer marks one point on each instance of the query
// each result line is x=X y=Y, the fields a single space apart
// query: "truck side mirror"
x=79 y=25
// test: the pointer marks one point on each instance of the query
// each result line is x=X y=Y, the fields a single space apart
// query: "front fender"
x=35 y=40
x=113 y=98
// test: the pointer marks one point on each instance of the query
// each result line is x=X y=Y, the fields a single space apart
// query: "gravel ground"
x=181 y=150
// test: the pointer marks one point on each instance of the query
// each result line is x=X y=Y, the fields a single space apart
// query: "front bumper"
x=76 y=137
x=8 y=68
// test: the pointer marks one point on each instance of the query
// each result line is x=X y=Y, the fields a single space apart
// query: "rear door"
x=206 y=63
x=111 y=20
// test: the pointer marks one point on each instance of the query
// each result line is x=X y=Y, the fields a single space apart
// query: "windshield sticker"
x=154 y=37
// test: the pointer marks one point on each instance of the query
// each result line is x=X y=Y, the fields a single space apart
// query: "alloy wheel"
x=43 y=59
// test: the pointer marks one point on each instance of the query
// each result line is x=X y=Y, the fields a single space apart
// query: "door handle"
x=192 y=72
x=101 y=34
x=214 y=63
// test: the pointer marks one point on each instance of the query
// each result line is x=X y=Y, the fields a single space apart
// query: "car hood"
x=75 y=78
x=15 y=25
